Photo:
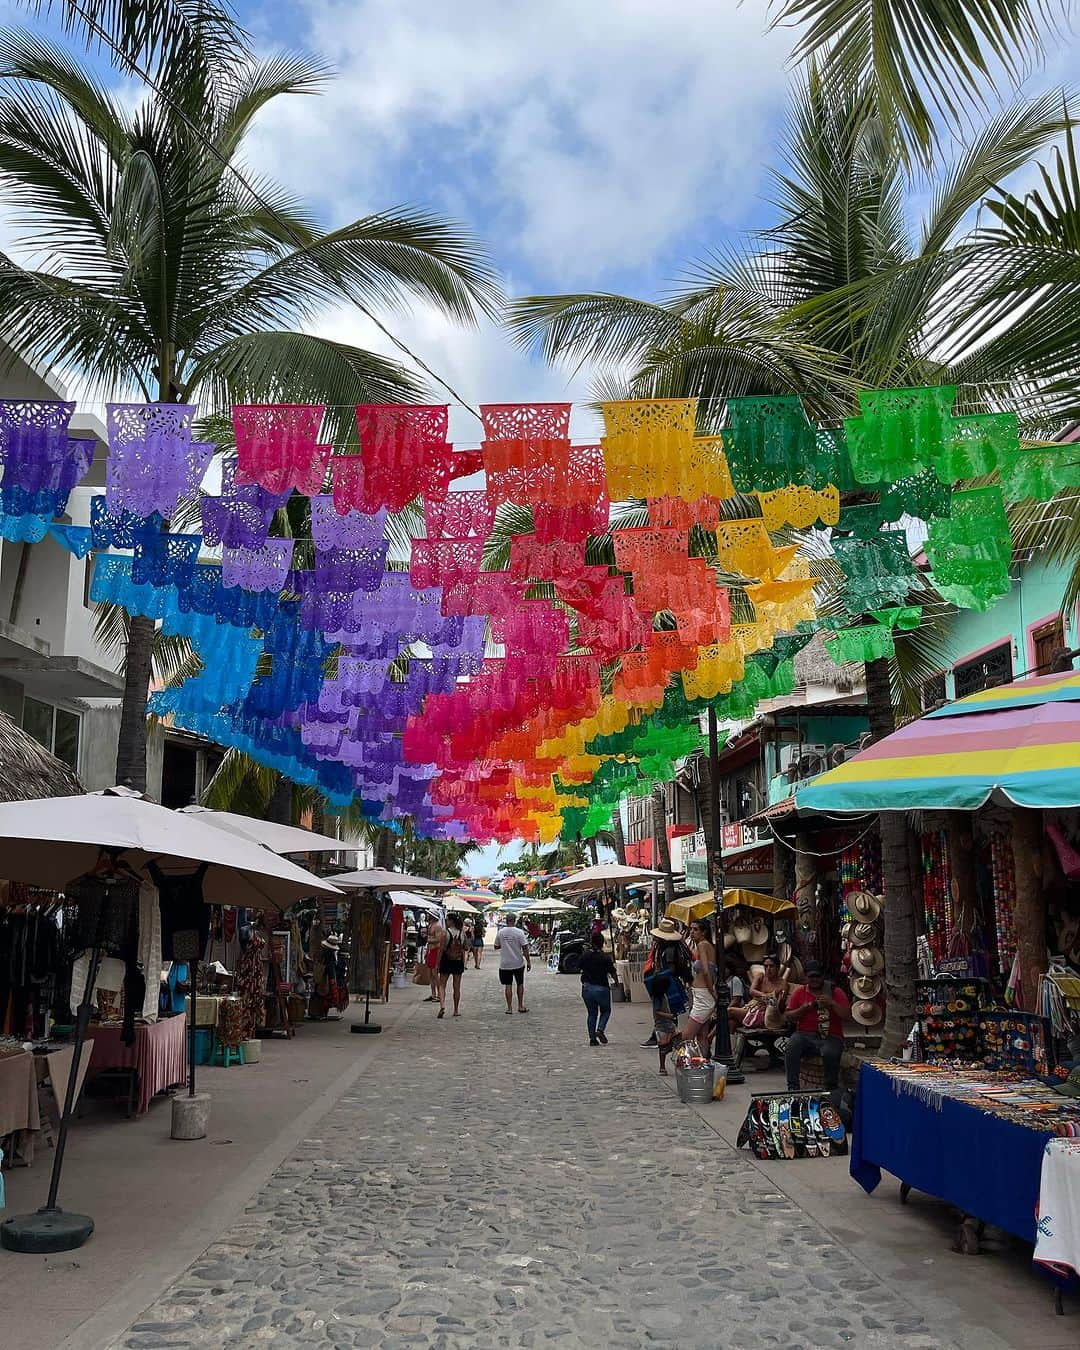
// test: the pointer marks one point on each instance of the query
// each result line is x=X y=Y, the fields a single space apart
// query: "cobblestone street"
x=495 y=1181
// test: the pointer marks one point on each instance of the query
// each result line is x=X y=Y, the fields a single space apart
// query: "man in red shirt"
x=817 y=1011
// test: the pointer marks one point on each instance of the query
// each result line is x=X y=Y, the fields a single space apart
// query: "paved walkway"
x=495 y=1181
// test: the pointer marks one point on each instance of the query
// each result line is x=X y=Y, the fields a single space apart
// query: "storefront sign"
x=696 y=865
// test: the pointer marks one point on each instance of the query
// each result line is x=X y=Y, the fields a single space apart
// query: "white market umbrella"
x=379 y=879
x=604 y=875
x=277 y=838
x=453 y=904
x=406 y=900
x=548 y=905
x=50 y=842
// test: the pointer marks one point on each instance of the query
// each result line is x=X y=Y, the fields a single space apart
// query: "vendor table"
x=985 y=1166
x=19 y=1100
x=159 y=1055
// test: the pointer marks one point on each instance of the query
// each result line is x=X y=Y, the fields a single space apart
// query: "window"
x=985 y=671
x=1045 y=641
x=932 y=692
x=56 y=729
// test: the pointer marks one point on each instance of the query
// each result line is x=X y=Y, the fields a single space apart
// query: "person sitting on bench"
x=816 y=1008
x=768 y=991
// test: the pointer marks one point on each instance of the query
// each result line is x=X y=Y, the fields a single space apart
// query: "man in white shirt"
x=513 y=948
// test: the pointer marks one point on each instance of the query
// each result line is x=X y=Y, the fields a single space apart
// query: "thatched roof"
x=28 y=770
x=814 y=665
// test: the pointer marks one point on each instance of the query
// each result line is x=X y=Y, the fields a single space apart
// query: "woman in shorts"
x=452 y=963
x=479 y=924
x=703 y=989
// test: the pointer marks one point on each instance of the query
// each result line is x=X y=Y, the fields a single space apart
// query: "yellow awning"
x=701 y=906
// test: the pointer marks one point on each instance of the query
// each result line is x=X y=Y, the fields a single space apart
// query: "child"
x=665 y=1023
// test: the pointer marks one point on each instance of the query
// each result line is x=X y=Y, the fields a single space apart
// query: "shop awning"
x=701 y=906
x=1018 y=743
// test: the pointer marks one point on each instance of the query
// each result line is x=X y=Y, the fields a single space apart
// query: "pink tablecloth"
x=18 y=1093
x=159 y=1055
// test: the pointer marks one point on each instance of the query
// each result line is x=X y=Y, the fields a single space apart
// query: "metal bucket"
x=695 y=1085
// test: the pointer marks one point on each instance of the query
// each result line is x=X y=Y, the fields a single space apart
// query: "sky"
x=593 y=144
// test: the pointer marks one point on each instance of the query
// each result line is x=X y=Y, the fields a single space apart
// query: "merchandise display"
x=781 y=1126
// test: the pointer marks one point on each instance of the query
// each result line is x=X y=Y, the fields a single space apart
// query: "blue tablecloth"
x=985 y=1166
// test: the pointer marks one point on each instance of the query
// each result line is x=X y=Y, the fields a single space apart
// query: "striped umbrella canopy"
x=1017 y=743
x=476 y=895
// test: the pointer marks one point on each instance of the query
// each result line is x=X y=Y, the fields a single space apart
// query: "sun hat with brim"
x=865 y=986
x=729 y=941
x=867 y=961
x=759 y=931
x=862 y=934
x=667 y=930
x=863 y=905
x=742 y=930
x=866 y=1012
x=754 y=951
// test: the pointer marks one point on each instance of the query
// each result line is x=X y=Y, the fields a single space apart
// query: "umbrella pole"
x=194 y=968
x=722 y=1045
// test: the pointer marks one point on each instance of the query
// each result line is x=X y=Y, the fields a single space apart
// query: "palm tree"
x=165 y=275
x=838 y=294
x=930 y=61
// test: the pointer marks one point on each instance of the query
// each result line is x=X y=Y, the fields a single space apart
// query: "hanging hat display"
x=866 y=1012
x=862 y=934
x=759 y=930
x=754 y=951
x=863 y=906
x=867 y=961
x=742 y=929
x=729 y=941
x=866 y=986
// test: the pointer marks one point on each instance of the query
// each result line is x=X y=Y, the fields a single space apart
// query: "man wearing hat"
x=817 y=1011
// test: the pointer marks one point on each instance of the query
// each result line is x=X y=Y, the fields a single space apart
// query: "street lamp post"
x=722 y=1046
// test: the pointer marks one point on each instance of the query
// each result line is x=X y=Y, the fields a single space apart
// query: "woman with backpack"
x=452 y=963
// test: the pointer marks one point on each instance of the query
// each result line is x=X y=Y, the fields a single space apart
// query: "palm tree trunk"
x=131 y=742
x=384 y=848
x=901 y=957
x=1030 y=904
x=663 y=852
x=279 y=809
x=620 y=837
x=594 y=856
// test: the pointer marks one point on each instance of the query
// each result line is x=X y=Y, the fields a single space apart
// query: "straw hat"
x=754 y=951
x=792 y=970
x=862 y=934
x=742 y=930
x=866 y=986
x=867 y=961
x=863 y=905
x=759 y=931
x=667 y=930
x=866 y=1012
x=729 y=941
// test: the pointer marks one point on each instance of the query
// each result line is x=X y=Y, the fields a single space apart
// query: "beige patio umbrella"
x=548 y=905
x=52 y=842
x=600 y=877
x=379 y=879
x=272 y=835
x=453 y=904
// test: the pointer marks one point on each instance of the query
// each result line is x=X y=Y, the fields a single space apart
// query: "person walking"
x=452 y=963
x=436 y=941
x=597 y=970
x=514 y=960
x=479 y=927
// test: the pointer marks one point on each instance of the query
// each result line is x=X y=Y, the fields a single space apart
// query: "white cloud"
x=583 y=139
x=481 y=364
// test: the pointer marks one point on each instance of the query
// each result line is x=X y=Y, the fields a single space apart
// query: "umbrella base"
x=48 y=1230
x=365 y=1028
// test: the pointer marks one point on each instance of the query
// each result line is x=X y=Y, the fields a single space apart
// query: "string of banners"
x=521 y=701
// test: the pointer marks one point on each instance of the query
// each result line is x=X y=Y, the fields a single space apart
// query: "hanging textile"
x=76 y=539
x=770 y=444
x=41 y=463
x=899 y=432
x=879 y=571
x=782 y=604
x=264 y=568
x=976 y=445
x=718 y=666
x=403 y=453
x=646 y=445
x=870 y=642
x=1039 y=471
x=162 y=559
x=153 y=462
x=527 y=453
x=445 y=562
x=240 y=517
x=743 y=548
x=460 y=514
x=277 y=446
x=24 y=529
x=801 y=506
x=970 y=553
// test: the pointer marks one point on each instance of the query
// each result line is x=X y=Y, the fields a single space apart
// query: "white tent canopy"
x=51 y=842
x=406 y=900
x=277 y=838
x=604 y=875
x=379 y=879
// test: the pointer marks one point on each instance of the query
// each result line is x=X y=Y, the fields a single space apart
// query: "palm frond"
x=929 y=60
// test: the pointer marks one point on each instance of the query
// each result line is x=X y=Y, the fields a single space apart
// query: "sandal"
x=523 y=1010
x=457 y=1014
x=509 y=1012
x=441 y=1013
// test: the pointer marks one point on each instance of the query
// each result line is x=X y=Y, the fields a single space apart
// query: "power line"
x=297 y=241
